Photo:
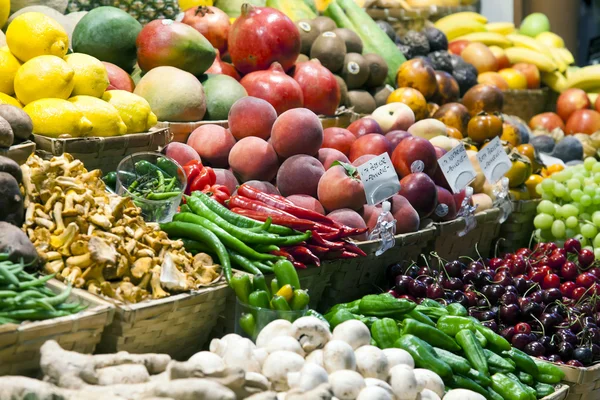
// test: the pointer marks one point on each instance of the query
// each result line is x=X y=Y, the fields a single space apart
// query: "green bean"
x=37 y=304
x=34 y=315
x=162 y=196
x=38 y=282
x=29 y=293
x=60 y=298
x=4 y=256
x=4 y=320
x=69 y=306
x=8 y=293
x=9 y=276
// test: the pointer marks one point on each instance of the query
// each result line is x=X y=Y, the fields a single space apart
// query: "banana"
x=587 y=78
x=571 y=70
x=529 y=43
x=461 y=29
x=566 y=55
x=503 y=28
x=523 y=55
x=453 y=19
x=557 y=57
x=555 y=81
x=487 y=38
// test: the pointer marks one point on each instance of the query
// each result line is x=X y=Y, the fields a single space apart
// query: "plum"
x=395 y=137
x=299 y=174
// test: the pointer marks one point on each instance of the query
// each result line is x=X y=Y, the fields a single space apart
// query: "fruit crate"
x=516 y=231
x=561 y=393
x=360 y=276
x=584 y=383
x=81 y=332
x=525 y=103
x=19 y=152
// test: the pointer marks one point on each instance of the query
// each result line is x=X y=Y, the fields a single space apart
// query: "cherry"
x=523 y=327
x=572 y=246
x=560 y=250
x=575 y=363
x=556 y=260
x=578 y=293
x=520 y=265
x=585 y=280
x=472 y=297
x=407 y=297
x=496 y=263
x=567 y=288
x=586 y=258
x=524 y=252
x=551 y=246
x=551 y=281
x=595 y=271
x=569 y=271
x=537 y=275
x=545 y=269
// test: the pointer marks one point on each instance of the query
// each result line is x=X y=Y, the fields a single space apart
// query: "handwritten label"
x=493 y=161
x=379 y=179
x=549 y=160
x=457 y=168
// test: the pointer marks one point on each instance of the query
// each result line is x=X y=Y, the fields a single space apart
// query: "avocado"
x=308 y=34
x=436 y=38
x=441 y=61
x=381 y=94
x=220 y=91
x=356 y=70
x=387 y=28
x=353 y=42
x=330 y=49
x=405 y=50
x=466 y=77
x=417 y=41
x=343 y=89
x=361 y=101
x=324 y=24
x=378 y=70
x=19 y=120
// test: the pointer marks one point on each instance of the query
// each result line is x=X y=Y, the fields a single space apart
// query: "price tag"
x=457 y=168
x=493 y=161
x=548 y=160
x=379 y=179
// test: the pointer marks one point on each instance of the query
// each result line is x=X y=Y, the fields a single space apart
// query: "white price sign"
x=379 y=179
x=493 y=161
x=457 y=168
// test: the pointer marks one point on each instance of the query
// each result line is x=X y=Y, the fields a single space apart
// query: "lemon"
x=56 y=117
x=6 y=99
x=186 y=4
x=44 y=77
x=133 y=109
x=105 y=118
x=91 y=78
x=9 y=65
x=34 y=34
x=4 y=11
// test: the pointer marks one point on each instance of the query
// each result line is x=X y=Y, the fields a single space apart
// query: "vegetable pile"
x=460 y=349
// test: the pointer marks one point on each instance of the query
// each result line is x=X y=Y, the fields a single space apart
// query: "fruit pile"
x=542 y=301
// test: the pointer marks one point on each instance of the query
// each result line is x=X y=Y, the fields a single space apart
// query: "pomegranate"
x=320 y=89
x=261 y=36
x=211 y=22
x=221 y=67
x=274 y=86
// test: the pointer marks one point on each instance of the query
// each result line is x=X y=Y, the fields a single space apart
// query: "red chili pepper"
x=281 y=198
x=256 y=205
x=218 y=192
x=290 y=222
x=304 y=255
x=354 y=249
x=318 y=250
x=299 y=265
x=198 y=176
x=283 y=253
x=321 y=228
x=332 y=255
x=318 y=239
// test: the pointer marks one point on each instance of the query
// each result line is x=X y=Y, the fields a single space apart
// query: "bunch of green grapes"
x=570 y=206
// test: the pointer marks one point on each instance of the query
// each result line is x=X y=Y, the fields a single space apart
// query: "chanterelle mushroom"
x=102 y=252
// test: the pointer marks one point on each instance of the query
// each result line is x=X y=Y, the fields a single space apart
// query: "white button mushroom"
x=309 y=377
x=398 y=356
x=371 y=362
x=316 y=357
x=353 y=332
x=338 y=355
x=277 y=366
x=209 y=363
x=260 y=355
x=427 y=394
x=279 y=327
x=403 y=382
x=374 y=393
x=379 y=383
x=312 y=333
x=240 y=354
x=427 y=379
x=286 y=343
x=462 y=394
x=346 y=384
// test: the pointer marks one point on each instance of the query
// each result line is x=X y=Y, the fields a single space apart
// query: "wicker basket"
x=20 y=344
x=178 y=325
x=357 y=277
x=561 y=393
x=19 y=152
x=401 y=20
x=584 y=382
x=104 y=153
x=516 y=231
x=525 y=103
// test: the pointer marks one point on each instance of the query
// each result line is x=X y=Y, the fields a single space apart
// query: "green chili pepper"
x=462 y=382
x=286 y=274
x=478 y=377
x=457 y=310
x=263 y=268
x=451 y=325
x=492 y=395
x=337 y=317
x=248 y=324
x=434 y=313
x=480 y=338
x=498 y=362
x=260 y=283
x=168 y=166
x=279 y=303
x=523 y=361
x=473 y=350
x=259 y=298
x=507 y=388
x=458 y=364
x=242 y=286
x=497 y=342
x=547 y=378
x=352 y=307
x=384 y=306
x=431 y=303
x=423 y=355
x=431 y=335
x=300 y=300
x=110 y=180
x=266 y=248
x=385 y=332
x=243 y=262
x=419 y=316
x=529 y=390
x=274 y=286
x=144 y=167
x=525 y=378
x=162 y=196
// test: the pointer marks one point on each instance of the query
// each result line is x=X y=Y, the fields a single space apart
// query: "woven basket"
x=561 y=393
x=104 y=153
x=401 y=20
x=177 y=325
x=357 y=277
x=584 y=382
x=516 y=231
x=81 y=332
x=19 y=152
x=525 y=103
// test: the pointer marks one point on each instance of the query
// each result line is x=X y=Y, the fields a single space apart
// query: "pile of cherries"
x=544 y=301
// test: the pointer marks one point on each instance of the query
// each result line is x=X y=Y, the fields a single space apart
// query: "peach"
x=263 y=186
x=118 y=79
x=337 y=189
x=531 y=72
x=328 y=156
x=297 y=131
x=308 y=202
x=226 y=178
x=407 y=218
x=372 y=143
x=299 y=174
x=363 y=159
x=338 y=138
x=351 y=218
x=370 y=215
x=181 y=152
x=251 y=116
x=253 y=158
x=213 y=143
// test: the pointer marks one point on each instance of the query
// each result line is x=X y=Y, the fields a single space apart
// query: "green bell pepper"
x=478 y=377
x=451 y=324
x=242 y=286
x=338 y=317
x=458 y=364
x=550 y=370
x=352 y=307
x=495 y=341
x=279 y=303
x=248 y=324
x=432 y=312
x=300 y=299
x=259 y=298
x=419 y=316
x=523 y=361
x=260 y=283
x=507 y=388
x=384 y=306
x=525 y=378
x=385 y=332
x=457 y=309
x=498 y=362
x=543 y=390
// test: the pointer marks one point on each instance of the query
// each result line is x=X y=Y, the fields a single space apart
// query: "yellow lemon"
x=105 y=118
x=91 y=78
x=185 y=4
x=5 y=48
x=34 y=34
x=4 y=11
x=133 y=109
x=57 y=117
x=9 y=65
x=6 y=99
x=44 y=77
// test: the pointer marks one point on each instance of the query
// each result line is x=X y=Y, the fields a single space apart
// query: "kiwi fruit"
x=361 y=101
x=381 y=94
x=378 y=70
x=330 y=49
x=353 y=42
x=308 y=34
x=343 y=89
x=324 y=24
x=302 y=58
x=355 y=71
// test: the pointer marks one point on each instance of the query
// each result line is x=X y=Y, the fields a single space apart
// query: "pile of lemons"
x=64 y=94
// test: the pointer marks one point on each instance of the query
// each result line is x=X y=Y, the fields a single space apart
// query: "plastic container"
x=152 y=210
x=262 y=318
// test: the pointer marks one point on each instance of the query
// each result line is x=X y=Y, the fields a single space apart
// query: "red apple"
x=548 y=121
x=570 y=101
x=414 y=154
x=118 y=78
x=395 y=137
x=583 y=121
x=371 y=143
x=338 y=138
x=421 y=192
x=446 y=207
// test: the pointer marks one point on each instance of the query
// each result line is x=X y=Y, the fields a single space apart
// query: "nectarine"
x=252 y=158
x=338 y=189
x=351 y=218
x=251 y=116
x=299 y=174
x=338 y=138
x=308 y=202
x=213 y=143
x=297 y=131
x=328 y=156
x=371 y=143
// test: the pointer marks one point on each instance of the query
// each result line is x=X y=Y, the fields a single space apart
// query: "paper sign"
x=379 y=179
x=548 y=160
x=457 y=168
x=493 y=161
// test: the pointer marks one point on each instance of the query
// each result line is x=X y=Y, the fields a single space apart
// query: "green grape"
x=569 y=210
x=582 y=239
x=596 y=168
x=597 y=176
x=543 y=221
x=585 y=216
x=568 y=172
x=538 y=189
x=547 y=207
x=589 y=230
x=572 y=222
x=547 y=196
x=597 y=242
x=585 y=200
x=590 y=189
x=596 y=199
x=597 y=253
x=589 y=163
x=579 y=176
x=558 y=229
x=571 y=232
x=560 y=176
x=547 y=185
x=573 y=184
x=559 y=190
x=596 y=218
x=576 y=194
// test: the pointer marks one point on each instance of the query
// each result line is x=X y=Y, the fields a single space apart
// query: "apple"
x=531 y=72
x=414 y=154
x=393 y=117
x=118 y=79
x=501 y=57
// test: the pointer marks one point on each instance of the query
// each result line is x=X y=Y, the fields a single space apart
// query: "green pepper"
x=318 y=315
x=462 y=382
x=457 y=310
x=523 y=361
x=274 y=286
x=248 y=324
x=352 y=307
x=337 y=317
x=385 y=332
x=432 y=312
x=458 y=364
x=498 y=362
x=473 y=350
x=480 y=338
x=368 y=321
x=495 y=341
x=286 y=274
x=300 y=300
x=451 y=324
x=431 y=303
x=549 y=379
x=259 y=298
x=432 y=335
x=529 y=390
x=242 y=286
x=419 y=316
x=110 y=180
x=423 y=355
x=259 y=283
x=279 y=303
x=543 y=389
x=167 y=165
x=144 y=167
x=384 y=306
x=492 y=395
x=525 y=378
x=546 y=368
x=507 y=388
x=478 y=377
